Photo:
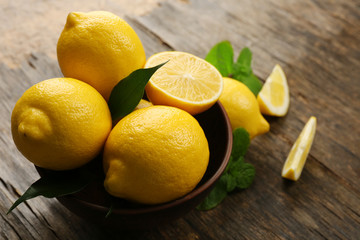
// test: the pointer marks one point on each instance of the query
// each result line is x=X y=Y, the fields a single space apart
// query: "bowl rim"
x=179 y=201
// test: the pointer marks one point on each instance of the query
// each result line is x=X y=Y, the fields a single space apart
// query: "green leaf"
x=237 y=174
x=126 y=95
x=57 y=185
x=230 y=182
x=241 y=142
x=245 y=175
x=235 y=167
x=244 y=61
x=229 y=164
x=222 y=57
x=242 y=71
x=109 y=212
x=253 y=83
x=216 y=196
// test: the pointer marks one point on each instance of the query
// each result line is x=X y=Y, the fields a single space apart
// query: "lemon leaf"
x=109 y=212
x=57 y=185
x=222 y=57
x=126 y=95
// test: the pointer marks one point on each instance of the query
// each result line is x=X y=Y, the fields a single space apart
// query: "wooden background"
x=317 y=42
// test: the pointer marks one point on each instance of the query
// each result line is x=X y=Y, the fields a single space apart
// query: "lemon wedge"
x=185 y=81
x=296 y=159
x=274 y=97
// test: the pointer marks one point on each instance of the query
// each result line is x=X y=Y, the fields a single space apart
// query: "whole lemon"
x=242 y=108
x=60 y=123
x=100 y=49
x=155 y=155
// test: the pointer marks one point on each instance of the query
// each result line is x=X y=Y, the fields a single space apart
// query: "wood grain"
x=317 y=44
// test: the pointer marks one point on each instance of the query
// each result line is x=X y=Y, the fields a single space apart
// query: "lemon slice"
x=185 y=81
x=274 y=98
x=295 y=162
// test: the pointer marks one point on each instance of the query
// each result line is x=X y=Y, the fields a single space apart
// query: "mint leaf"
x=253 y=83
x=242 y=71
x=237 y=175
x=222 y=57
x=244 y=61
x=230 y=182
x=126 y=95
x=216 y=196
x=58 y=184
x=241 y=142
x=245 y=175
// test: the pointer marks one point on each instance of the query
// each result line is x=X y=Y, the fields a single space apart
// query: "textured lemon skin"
x=242 y=108
x=155 y=155
x=100 y=49
x=60 y=123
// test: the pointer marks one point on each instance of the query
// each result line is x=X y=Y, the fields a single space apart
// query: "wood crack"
x=341 y=179
x=49 y=225
x=152 y=33
x=11 y=226
x=355 y=213
x=330 y=210
x=202 y=235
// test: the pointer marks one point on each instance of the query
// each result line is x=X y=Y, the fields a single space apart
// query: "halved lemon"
x=295 y=162
x=274 y=97
x=185 y=81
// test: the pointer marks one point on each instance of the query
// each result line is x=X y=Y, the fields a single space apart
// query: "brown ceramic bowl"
x=93 y=202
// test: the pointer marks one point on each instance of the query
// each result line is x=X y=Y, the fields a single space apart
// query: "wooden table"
x=318 y=45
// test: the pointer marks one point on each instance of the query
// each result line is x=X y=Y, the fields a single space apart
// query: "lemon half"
x=186 y=81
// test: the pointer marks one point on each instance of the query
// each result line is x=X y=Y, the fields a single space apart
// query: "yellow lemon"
x=143 y=104
x=100 y=49
x=186 y=81
x=296 y=159
x=274 y=97
x=242 y=108
x=155 y=155
x=60 y=123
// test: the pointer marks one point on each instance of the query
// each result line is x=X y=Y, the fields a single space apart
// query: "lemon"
x=274 y=99
x=155 y=155
x=186 y=81
x=296 y=159
x=100 y=49
x=60 y=123
x=143 y=104
x=242 y=108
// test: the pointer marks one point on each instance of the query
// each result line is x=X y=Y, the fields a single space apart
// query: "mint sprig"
x=237 y=175
x=221 y=56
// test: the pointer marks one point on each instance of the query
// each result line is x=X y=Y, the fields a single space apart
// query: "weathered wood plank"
x=317 y=44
